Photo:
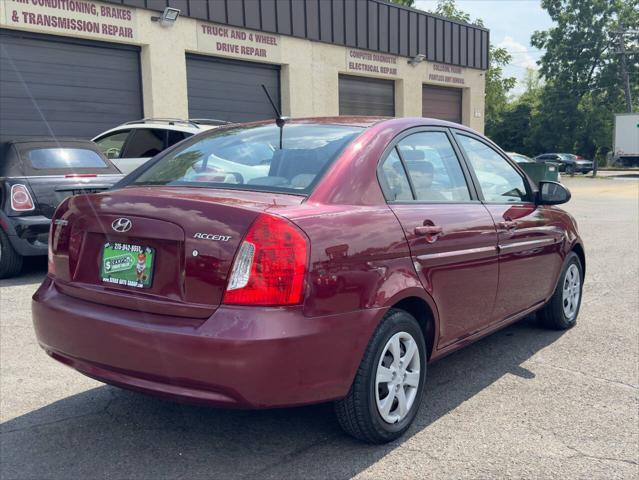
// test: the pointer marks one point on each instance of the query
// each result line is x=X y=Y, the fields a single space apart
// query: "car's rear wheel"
x=570 y=169
x=388 y=387
x=561 y=311
x=10 y=260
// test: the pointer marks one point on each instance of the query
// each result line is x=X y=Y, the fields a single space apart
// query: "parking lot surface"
x=524 y=402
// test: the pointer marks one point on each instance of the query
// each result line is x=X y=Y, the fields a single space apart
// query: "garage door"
x=366 y=96
x=230 y=90
x=442 y=102
x=65 y=87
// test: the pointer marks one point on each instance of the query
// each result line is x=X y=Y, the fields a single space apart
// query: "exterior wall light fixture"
x=419 y=58
x=168 y=17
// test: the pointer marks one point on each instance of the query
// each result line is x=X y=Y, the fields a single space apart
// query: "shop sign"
x=238 y=43
x=78 y=17
x=361 y=61
x=446 y=74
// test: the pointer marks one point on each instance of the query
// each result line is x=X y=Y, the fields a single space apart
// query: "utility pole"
x=624 y=70
x=621 y=34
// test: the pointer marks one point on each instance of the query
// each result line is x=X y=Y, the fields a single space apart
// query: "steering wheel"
x=113 y=152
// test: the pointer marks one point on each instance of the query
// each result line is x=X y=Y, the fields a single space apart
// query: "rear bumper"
x=240 y=357
x=28 y=235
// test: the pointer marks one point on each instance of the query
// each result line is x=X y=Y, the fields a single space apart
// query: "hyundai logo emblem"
x=122 y=225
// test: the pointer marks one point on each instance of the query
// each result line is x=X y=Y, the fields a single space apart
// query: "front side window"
x=64 y=159
x=499 y=181
x=433 y=167
x=113 y=143
x=250 y=157
x=145 y=142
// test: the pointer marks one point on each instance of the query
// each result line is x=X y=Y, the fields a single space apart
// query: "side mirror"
x=552 y=193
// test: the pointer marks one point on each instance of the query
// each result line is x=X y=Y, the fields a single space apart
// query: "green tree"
x=497 y=85
x=448 y=9
x=583 y=87
x=406 y=3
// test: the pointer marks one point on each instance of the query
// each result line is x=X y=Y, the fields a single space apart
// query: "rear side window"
x=433 y=168
x=250 y=158
x=145 y=142
x=174 y=137
x=64 y=159
x=393 y=179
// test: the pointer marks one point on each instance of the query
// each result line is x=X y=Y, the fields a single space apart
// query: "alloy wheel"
x=397 y=377
x=571 y=291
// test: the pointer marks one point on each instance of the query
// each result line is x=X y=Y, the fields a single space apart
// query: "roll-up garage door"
x=231 y=90
x=366 y=96
x=65 y=87
x=442 y=103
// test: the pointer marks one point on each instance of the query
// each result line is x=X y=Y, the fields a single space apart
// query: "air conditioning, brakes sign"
x=82 y=17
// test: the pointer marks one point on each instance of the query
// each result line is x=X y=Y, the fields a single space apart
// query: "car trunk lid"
x=191 y=233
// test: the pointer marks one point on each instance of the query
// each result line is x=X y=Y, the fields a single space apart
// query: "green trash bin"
x=548 y=172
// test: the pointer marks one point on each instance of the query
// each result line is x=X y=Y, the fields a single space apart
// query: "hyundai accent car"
x=367 y=249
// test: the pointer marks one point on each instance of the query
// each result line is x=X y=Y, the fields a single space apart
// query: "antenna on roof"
x=280 y=121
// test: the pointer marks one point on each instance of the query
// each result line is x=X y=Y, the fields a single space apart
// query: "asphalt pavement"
x=522 y=403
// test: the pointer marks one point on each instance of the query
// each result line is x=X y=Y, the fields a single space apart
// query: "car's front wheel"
x=10 y=260
x=561 y=311
x=385 y=396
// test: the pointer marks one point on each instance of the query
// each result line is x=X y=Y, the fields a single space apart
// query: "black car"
x=567 y=162
x=36 y=174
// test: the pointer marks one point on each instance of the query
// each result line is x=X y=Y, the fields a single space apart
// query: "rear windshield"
x=250 y=158
x=64 y=159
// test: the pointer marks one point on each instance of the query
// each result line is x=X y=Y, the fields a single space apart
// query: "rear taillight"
x=270 y=265
x=58 y=234
x=50 y=264
x=21 y=200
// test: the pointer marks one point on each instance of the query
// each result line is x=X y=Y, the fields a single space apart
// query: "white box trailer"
x=626 y=140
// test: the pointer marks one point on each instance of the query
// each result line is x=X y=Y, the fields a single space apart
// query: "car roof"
x=42 y=139
x=181 y=127
x=362 y=121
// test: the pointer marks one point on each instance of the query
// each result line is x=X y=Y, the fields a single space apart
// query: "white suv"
x=133 y=143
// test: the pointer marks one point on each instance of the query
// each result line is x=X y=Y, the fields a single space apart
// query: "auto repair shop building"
x=79 y=67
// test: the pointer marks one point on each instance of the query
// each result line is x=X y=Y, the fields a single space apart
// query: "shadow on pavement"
x=110 y=433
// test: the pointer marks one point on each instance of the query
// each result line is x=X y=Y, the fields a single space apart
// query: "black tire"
x=10 y=260
x=357 y=413
x=570 y=170
x=552 y=315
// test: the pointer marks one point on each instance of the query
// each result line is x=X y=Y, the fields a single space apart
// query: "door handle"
x=508 y=225
x=428 y=230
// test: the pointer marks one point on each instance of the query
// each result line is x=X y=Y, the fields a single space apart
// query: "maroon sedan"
x=330 y=260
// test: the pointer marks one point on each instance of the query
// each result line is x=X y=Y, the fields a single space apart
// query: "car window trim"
x=530 y=190
x=472 y=191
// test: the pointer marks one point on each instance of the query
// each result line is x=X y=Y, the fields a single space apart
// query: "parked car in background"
x=36 y=174
x=335 y=275
x=537 y=171
x=568 y=162
x=133 y=143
